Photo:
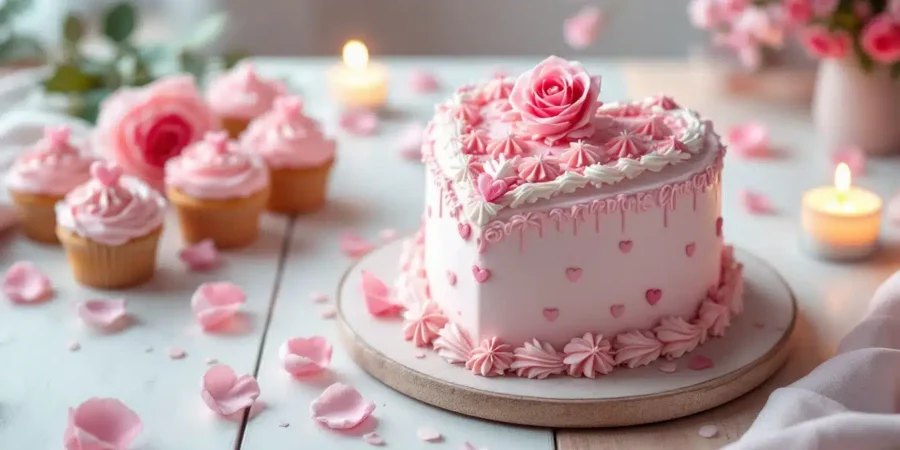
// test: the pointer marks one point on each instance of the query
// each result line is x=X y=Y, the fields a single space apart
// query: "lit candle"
x=358 y=83
x=841 y=222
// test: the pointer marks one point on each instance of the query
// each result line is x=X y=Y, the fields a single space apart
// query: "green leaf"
x=207 y=31
x=231 y=59
x=87 y=105
x=119 y=21
x=21 y=49
x=866 y=63
x=895 y=71
x=73 y=29
x=69 y=78
x=193 y=64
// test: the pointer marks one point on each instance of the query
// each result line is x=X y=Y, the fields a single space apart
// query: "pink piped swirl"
x=467 y=112
x=475 y=142
x=653 y=127
x=215 y=168
x=535 y=169
x=678 y=336
x=714 y=317
x=53 y=166
x=490 y=358
x=510 y=147
x=142 y=128
x=627 y=145
x=663 y=102
x=453 y=344
x=497 y=89
x=580 y=155
x=670 y=143
x=242 y=93
x=422 y=322
x=110 y=208
x=285 y=137
x=553 y=101
x=637 y=348
x=589 y=356
x=537 y=360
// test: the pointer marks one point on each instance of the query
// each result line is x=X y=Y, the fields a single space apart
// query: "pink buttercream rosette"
x=142 y=128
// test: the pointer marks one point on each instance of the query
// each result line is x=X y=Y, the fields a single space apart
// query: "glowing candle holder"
x=358 y=83
x=841 y=222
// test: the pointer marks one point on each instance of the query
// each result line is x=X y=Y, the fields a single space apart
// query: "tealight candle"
x=840 y=221
x=358 y=83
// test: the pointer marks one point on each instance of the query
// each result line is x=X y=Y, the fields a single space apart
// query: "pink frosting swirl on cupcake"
x=287 y=138
x=110 y=208
x=241 y=92
x=215 y=168
x=53 y=166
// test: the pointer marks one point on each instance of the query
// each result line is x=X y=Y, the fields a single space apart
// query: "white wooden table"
x=40 y=378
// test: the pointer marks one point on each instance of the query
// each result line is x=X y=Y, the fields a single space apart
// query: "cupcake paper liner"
x=231 y=223
x=235 y=126
x=37 y=216
x=110 y=267
x=299 y=190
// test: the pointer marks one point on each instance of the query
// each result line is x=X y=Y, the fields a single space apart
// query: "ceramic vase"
x=853 y=107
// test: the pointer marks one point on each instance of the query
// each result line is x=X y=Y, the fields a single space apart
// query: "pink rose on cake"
x=553 y=101
x=142 y=128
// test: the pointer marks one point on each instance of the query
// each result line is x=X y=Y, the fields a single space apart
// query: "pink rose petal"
x=373 y=438
x=429 y=434
x=101 y=424
x=24 y=283
x=319 y=297
x=708 y=431
x=700 y=362
x=755 y=203
x=422 y=81
x=226 y=393
x=214 y=304
x=200 y=256
x=410 y=141
x=102 y=314
x=328 y=312
x=176 y=353
x=668 y=367
x=341 y=407
x=853 y=156
x=359 y=122
x=305 y=356
x=388 y=234
x=211 y=361
x=377 y=296
x=354 y=246
x=581 y=30
x=750 y=140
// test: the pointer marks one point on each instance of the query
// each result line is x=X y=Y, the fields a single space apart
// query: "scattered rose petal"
x=700 y=362
x=755 y=203
x=211 y=361
x=354 y=246
x=214 y=304
x=340 y=407
x=200 y=256
x=388 y=234
x=709 y=431
x=410 y=141
x=373 y=438
x=101 y=423
x=24 y=283
x=668 y=367
x=318 y=297
x=419 y=355
x=422 y=81
x=255 y=409
x=359 y=122
x=580 y=30
x=74 y=346
x=750 y=140
x=305 y=356
x=428 y=434
x=102 y=314
x=377 y=296
x=853 y=156
x=328 y=312
x=177 y=353
x=283 y=425
x=226 y=393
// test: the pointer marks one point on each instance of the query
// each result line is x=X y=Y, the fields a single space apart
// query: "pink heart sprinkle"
x=481 y=275
x=341 y=407
x=617 y=310
x=755 y=203
x=653 y=296
x=107 y=174
x=491 y=189
x=373 y=438
x=451 y=278
x=225 y=393
x=101 y=423
x=465 y=230
x=551 y=314
x=378 y=296
x=573 y=274
x=700 y=362
x=689 y=249
x=354 y=246
x=626 y=246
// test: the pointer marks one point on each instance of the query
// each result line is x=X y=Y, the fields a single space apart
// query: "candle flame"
x=842 y=178
x=356 y=55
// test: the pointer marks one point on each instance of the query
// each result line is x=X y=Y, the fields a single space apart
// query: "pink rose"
x=821 y=43
x=732 y=9
x=881 y=39
x=705 y=14
x=863 y=9
x=798 y=11
x=553 y=101
x=141 y=128
x=893 y=8
x=580 y=30
x=823 y=8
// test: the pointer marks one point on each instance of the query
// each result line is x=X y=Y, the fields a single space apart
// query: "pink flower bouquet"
x=749 y=28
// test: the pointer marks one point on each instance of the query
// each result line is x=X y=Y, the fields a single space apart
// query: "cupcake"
x=110 y=228
x=218 y=191
x=240 y=95
x=298 y=154
x=43 y=176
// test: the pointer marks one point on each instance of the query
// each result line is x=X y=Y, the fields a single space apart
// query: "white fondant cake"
x=562 y=235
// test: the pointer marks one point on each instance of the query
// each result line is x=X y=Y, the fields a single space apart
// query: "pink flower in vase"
x=881 y=39
x=798 y=11
x=142 y=128
x=705 y=14
x=824 y=8
x=825 y=44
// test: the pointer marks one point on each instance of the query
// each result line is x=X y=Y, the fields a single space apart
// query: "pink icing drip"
x=510 y=146
x=538 y=360
x=422 y=323
x=535 y=169
x=637 y=348
x=580 y=155
x=678 y=336
x=588 y=356
x=453 y=344
x=714 y=317
x=475 y=142
x=627 y=145
x=490 y=358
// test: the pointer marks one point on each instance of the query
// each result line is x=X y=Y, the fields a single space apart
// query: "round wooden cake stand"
x=754 y=347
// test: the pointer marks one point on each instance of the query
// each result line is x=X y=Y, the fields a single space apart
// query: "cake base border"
x=367 y=347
